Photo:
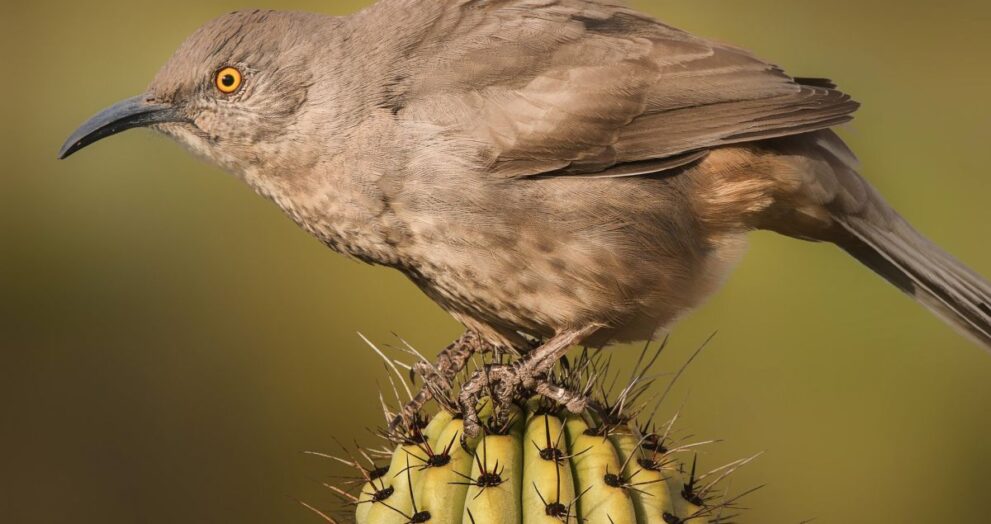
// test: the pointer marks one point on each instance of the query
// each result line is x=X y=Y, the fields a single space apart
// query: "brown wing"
x=574 y=87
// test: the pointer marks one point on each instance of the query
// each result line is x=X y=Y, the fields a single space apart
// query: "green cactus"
x=537 y=464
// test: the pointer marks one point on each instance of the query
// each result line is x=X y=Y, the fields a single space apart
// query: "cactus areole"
x=537 y=463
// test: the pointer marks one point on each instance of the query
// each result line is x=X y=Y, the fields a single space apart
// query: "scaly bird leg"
x=438 y=378
x=505 y=382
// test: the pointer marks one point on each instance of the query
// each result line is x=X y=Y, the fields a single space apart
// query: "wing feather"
x=579 y=87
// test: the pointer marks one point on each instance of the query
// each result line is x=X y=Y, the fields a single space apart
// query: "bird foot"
x=502 y=383
x=505 y=383
x=438 y=378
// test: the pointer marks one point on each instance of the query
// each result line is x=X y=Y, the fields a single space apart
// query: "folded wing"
x=581 y=88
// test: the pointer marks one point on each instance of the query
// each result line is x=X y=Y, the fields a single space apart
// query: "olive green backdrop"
x=171 y=344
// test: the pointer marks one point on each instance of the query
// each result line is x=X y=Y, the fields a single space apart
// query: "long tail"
x=865 y=226
x=925 y=272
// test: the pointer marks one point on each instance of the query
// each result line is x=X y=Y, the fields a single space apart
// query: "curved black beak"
x=138 y=111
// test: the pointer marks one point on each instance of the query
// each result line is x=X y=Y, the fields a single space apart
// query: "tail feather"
x=854 y=216
x=921 y=269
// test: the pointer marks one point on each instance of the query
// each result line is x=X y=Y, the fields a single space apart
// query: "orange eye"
x=228 y=80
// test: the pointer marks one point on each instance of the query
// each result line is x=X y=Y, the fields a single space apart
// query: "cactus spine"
x=537 y=464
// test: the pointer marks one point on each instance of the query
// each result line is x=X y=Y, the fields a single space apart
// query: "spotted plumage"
x=537 y=167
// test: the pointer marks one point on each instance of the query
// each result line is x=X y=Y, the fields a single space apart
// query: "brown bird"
x=556 y=170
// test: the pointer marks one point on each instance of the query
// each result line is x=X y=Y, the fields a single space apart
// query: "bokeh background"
x=170 y=344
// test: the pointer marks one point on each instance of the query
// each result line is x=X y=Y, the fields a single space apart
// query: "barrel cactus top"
x=535 y=463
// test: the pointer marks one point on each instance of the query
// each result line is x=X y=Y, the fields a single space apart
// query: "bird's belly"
x=539 y=283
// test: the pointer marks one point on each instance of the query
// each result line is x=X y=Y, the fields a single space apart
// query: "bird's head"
x=232 y=92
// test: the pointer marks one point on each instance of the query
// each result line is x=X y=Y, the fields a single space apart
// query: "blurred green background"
x=171 y=344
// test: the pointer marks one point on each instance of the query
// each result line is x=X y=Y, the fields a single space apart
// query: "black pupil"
x=227 y=80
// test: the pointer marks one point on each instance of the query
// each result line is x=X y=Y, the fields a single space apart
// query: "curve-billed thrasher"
x=568 y=170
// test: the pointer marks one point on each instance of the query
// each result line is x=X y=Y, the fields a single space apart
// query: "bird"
x=550 y=172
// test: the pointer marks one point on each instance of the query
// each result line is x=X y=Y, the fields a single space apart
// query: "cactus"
x=534 y=463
